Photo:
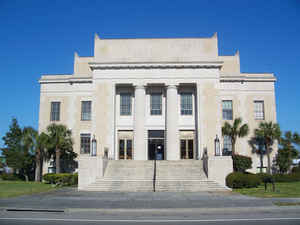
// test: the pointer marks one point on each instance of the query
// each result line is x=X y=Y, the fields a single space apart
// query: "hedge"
x=242 y=180
x=10 y=176
x=241 y=163
x=61 y=179
x=282 y=178
x=296 y=169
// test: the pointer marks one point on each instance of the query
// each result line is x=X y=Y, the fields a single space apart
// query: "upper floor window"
x=85 y=143
x=55 y=111
x=156 y=104
x=186 y=103
x=86 y=110
x=125 y=104
x=227 y=109
x=259 y=113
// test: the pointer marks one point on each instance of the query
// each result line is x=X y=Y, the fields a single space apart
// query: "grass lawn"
x=16 y=188
x=282 y=190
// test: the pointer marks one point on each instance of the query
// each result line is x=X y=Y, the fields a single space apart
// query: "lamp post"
x=94 y=146
x=217 y=146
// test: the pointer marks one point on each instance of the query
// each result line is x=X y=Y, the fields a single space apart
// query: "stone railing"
x=90 y=168
x=205 y=163
x=219 y=167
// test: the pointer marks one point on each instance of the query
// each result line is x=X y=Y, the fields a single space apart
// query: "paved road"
x=71 y=198
x=167 y=216
x=146 y=208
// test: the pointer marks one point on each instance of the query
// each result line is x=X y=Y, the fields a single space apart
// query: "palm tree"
x=258 y=147
x=234 y=131
x=59 y=140
x=270 y=132
x=42 y=143
x=38 y=143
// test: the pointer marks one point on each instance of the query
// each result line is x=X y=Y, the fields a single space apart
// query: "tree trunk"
x=38 y=171
x=261 y=161
x=38 y=166
x=269 y=159
x=57 y=160
x=233 y=146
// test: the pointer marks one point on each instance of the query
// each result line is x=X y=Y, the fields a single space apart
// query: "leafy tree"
x=269 y=132
x=287 y=152
x=60 y=143
x=234 y=131
x=296 y=138
x=18 y=153
x=258 y=146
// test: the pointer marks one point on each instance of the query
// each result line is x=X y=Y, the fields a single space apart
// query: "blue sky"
x=40 y=37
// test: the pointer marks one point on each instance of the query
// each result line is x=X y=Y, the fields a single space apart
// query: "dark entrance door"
x=156 y=145
x=156 y=149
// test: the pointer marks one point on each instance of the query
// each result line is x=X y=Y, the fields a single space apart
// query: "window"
x=227 y=109
x=155 y=104
x=86 y=108
x=125 y=104
x=186 y=104
x=227 y=146
x=85 y=143
x=259 y=113
x=55 y=111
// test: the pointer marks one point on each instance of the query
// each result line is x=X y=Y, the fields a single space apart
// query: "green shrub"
x=242 y=180
x=241 y=163
x=283 y=178
x=75 y=179
x=296 y=169
x=265 y=177
x=10 y=176
x=61 y=179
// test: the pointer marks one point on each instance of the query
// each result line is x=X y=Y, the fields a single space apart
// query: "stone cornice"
x=248 y=78
x=156 y=65
x=72 y=79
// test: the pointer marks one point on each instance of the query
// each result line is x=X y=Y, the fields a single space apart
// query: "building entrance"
x=156 y=148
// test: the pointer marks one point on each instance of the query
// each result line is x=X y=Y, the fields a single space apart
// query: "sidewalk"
x=72 y=200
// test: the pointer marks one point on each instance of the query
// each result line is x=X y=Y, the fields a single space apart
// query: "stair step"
x=137 y=176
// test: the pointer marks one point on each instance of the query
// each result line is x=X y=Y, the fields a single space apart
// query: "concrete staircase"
x=183 y=176
x=136 y=175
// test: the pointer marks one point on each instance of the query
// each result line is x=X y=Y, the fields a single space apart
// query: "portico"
x=155 y=119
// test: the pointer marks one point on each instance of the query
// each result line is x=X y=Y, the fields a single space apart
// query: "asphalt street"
x=71 y=198
x=74 y=207
x=190 y=216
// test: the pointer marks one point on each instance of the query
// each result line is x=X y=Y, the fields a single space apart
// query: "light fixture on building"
x=217 y=146
x=94 y=146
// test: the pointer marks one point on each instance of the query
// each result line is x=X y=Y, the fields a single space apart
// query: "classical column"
x=139 y=146
x=172 y=124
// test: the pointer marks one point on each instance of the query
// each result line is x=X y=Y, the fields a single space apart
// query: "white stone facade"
x=167 y=67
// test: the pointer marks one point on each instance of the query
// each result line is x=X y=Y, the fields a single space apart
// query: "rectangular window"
x=125 y=104
x=227 y=146
x=259 y=112
x=227 y=109
x=86 y=110
x=156 y=104
x=186 y=104
x=55 y=111
x=85 y=143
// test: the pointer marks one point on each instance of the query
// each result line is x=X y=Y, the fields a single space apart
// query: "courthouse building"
x=164 y=98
